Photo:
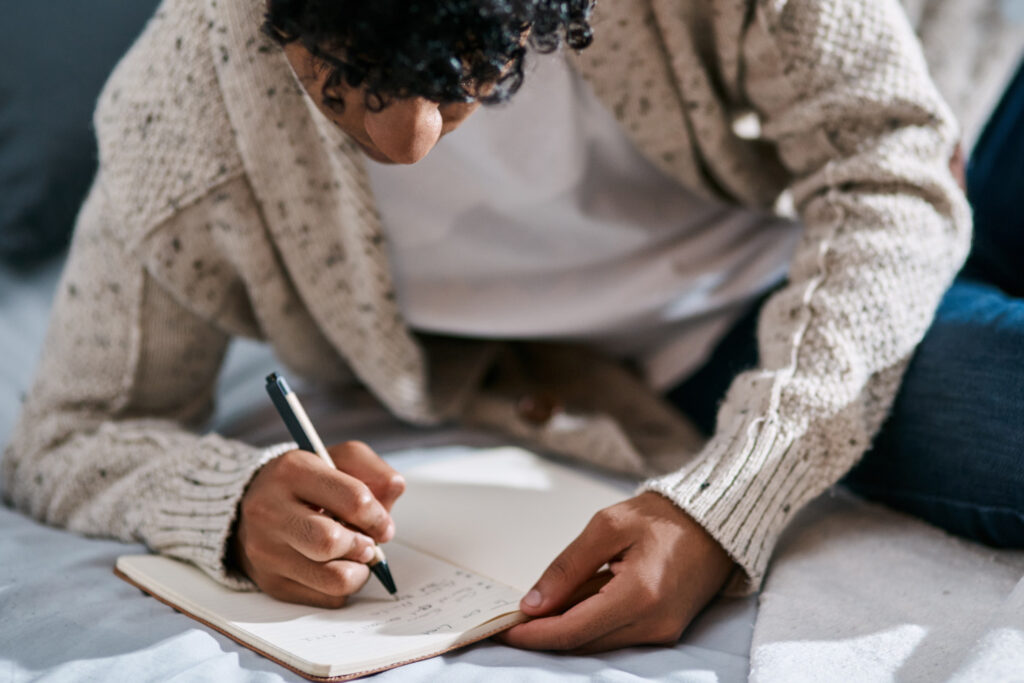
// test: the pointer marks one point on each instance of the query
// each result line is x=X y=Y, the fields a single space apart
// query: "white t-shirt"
x=538 y=219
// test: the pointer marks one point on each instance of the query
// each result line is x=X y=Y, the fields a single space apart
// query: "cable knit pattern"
x=222 y=208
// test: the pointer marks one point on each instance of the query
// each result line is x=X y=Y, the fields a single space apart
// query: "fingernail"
x=389 y=533
x=397 y=483
x=533 y=598
x=367 y=554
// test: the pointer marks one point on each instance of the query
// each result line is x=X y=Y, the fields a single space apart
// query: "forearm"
x=868 y=141
x=104 y=445
x=135 y=480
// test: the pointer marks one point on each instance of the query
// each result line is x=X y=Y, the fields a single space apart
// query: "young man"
x=609 y=204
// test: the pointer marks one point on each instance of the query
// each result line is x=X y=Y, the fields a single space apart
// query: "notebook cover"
x=312 y=677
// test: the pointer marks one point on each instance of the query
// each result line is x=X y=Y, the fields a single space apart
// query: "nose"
x=406 y=129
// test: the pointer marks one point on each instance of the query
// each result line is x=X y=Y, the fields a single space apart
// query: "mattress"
x=66 y=616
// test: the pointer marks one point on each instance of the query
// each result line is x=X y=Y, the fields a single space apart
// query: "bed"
x=67 y=617
x=855 y=591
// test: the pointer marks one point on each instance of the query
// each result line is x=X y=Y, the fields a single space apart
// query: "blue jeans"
x=952 y=450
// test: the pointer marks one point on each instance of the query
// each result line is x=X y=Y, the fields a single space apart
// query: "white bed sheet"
x=859 y=592
x=65 y=616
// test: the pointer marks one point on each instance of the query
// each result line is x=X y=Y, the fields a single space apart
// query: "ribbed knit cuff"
x=742 y=488
x=195 y=522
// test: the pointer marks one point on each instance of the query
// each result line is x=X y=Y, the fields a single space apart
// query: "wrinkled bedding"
x=855 y=592
x=67 y=617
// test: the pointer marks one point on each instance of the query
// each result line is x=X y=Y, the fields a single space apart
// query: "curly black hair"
x=441 y=50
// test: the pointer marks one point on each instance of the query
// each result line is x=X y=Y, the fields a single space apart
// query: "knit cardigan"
x=222 y=208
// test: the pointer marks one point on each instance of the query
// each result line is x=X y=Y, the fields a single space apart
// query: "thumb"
x=571 y=569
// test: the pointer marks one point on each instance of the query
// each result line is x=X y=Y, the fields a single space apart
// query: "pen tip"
x=383 y=573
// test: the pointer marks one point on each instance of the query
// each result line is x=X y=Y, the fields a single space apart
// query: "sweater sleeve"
x=103 y=446
x=843 y=93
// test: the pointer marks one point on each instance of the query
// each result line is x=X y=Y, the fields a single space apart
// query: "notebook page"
x=437 y=604
x=505 y=512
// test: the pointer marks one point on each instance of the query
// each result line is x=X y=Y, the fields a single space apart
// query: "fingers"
x=605 y=606
x=633 y=634
x=588 y=589
x=666 y=568
x=294 y=551
x=360 y=461
x=591 y=587
x=604 y=613
x=321 y=539
x=275 y=563
x=599 y=543
x=289 y=590
x=339 y=494
x=337 y=578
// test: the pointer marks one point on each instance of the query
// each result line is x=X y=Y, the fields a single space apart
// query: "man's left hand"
x=662 y=569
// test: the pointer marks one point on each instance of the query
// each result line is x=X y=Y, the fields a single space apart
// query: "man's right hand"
x=305 y=531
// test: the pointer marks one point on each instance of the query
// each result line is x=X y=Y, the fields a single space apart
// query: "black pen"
x=301 y=429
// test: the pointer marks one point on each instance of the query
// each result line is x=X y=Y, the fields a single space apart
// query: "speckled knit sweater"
x=221 y=208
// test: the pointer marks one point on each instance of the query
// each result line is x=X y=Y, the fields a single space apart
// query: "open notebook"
x=474 y=533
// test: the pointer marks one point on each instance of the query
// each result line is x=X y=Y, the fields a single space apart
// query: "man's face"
x=402 y=133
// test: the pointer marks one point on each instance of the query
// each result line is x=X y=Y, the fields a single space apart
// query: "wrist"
x=234 y=553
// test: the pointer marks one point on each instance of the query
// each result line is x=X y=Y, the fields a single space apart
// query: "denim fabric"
x=952 y=449
x=995 y=182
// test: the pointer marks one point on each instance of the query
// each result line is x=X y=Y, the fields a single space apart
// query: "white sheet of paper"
x=474 y=533
x=505 y=513
x=436 y=605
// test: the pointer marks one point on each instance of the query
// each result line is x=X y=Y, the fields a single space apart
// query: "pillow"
x=54 y=58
